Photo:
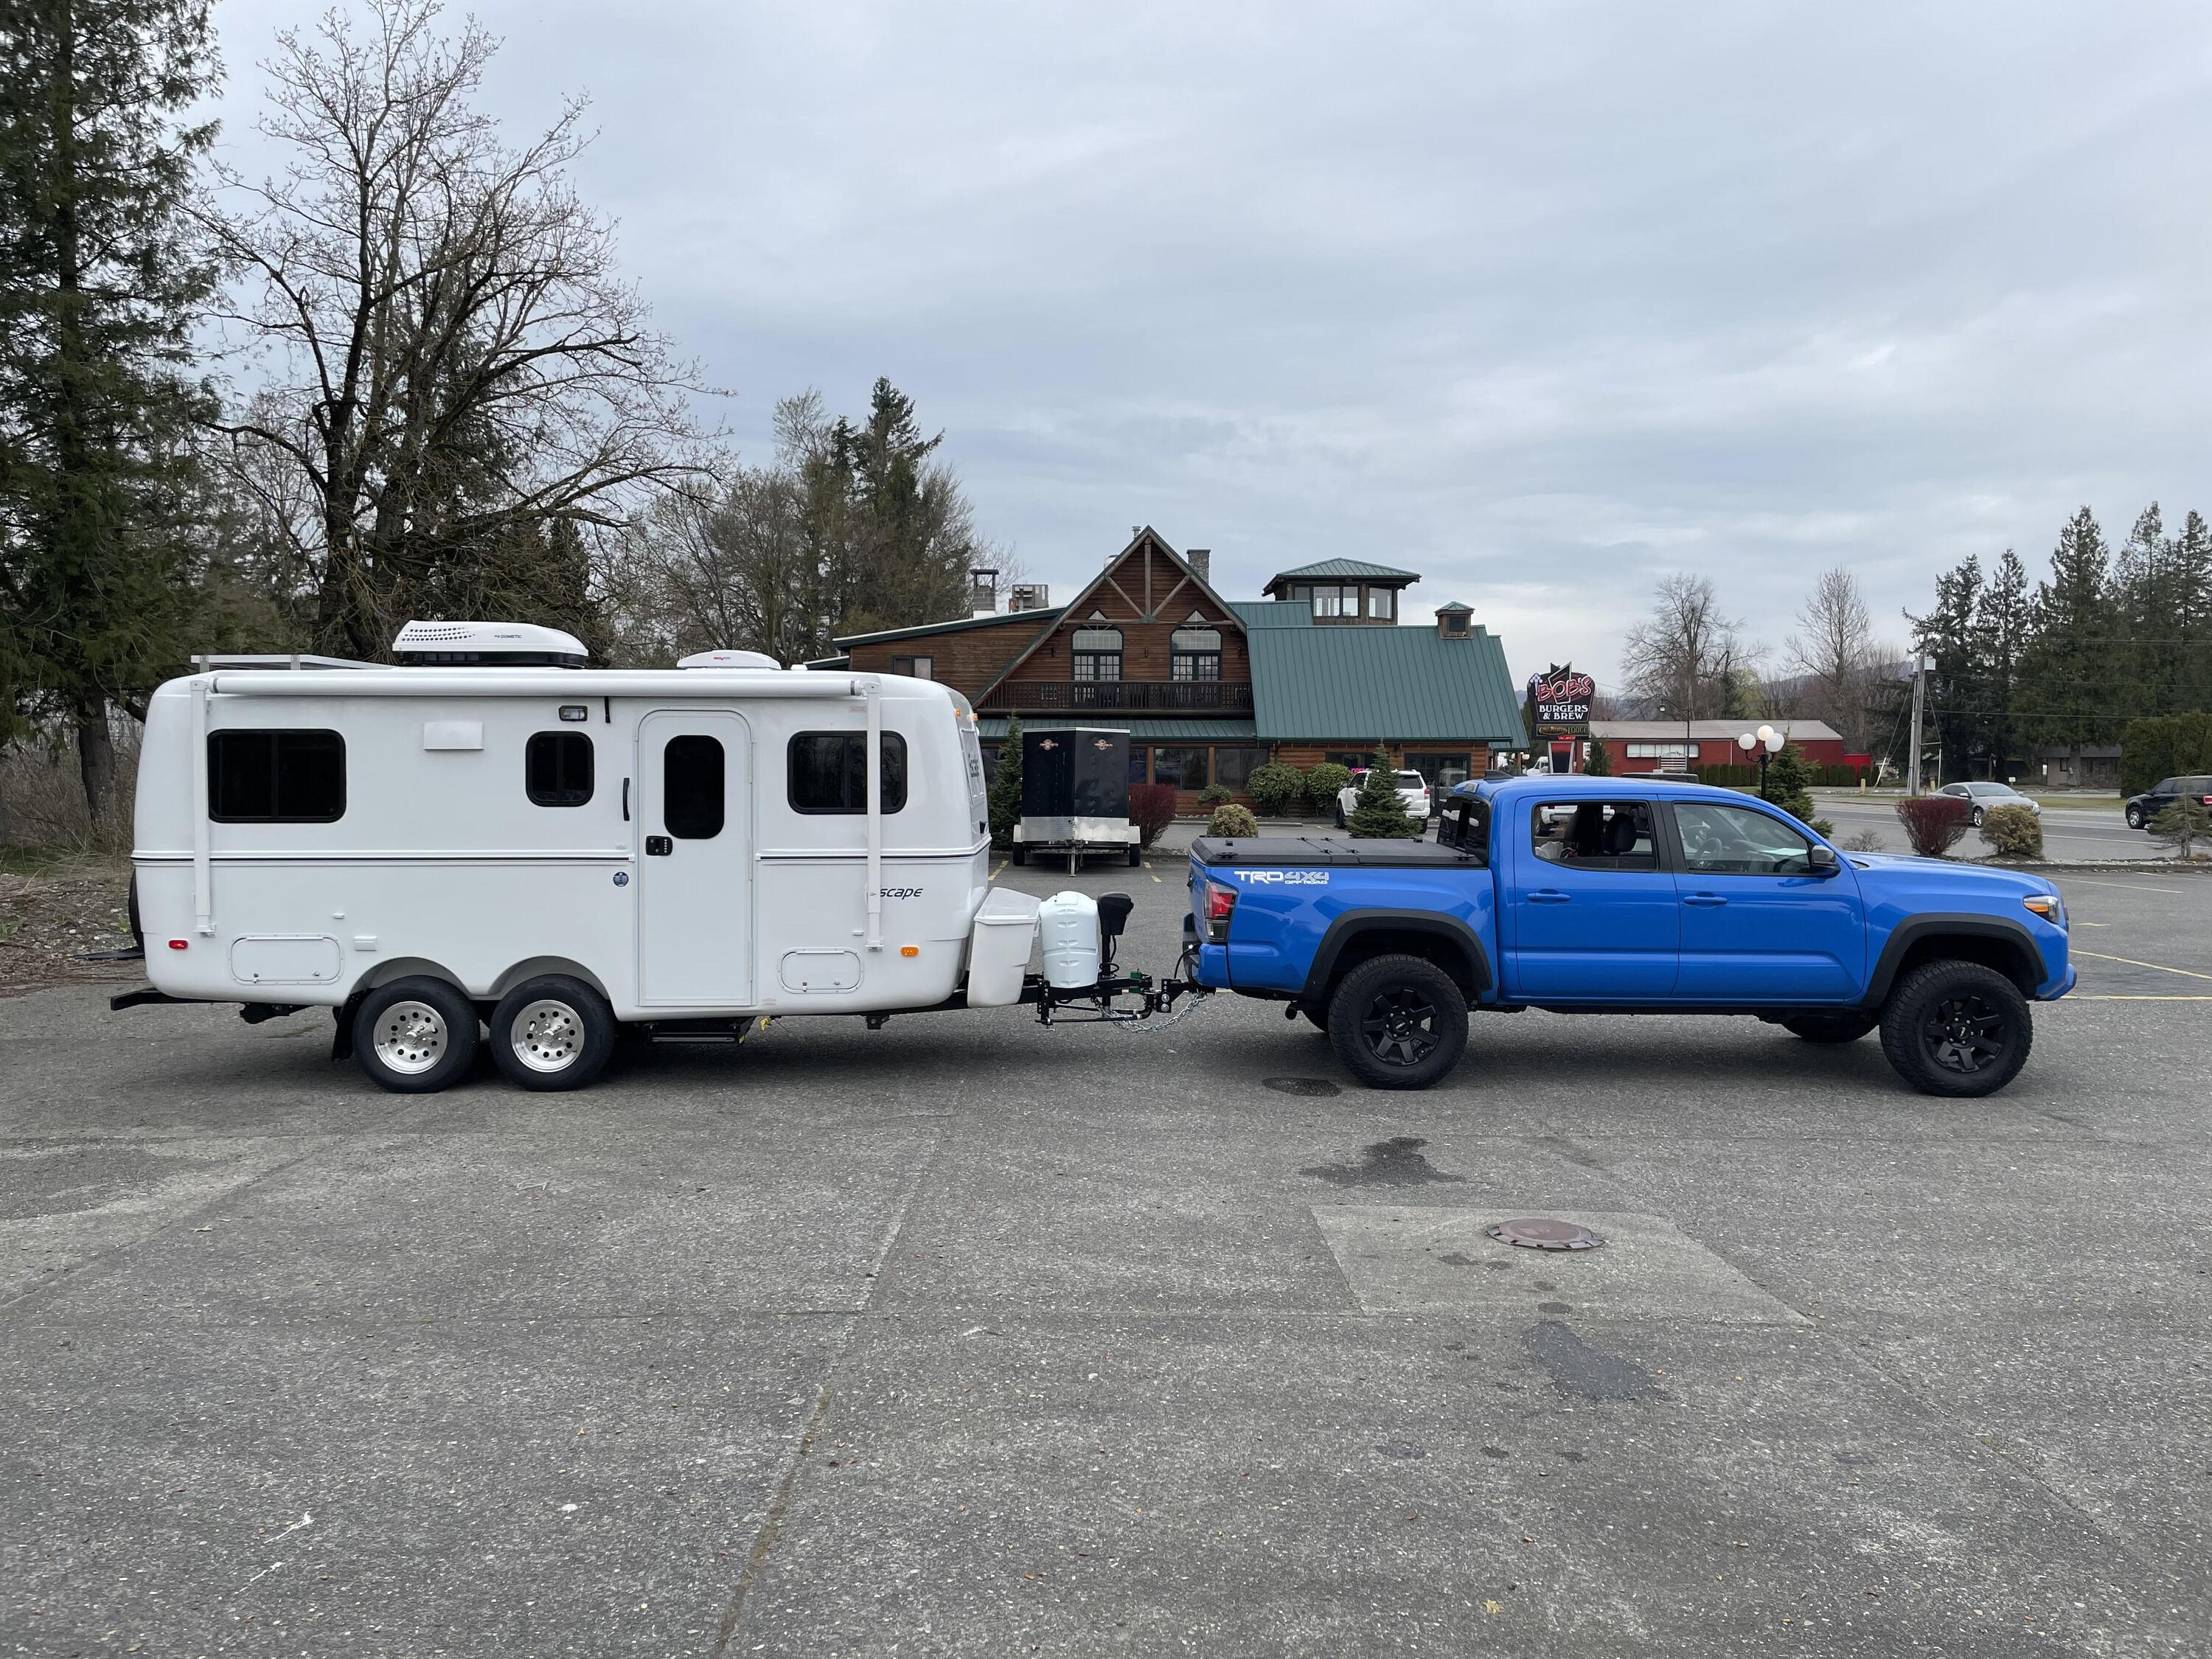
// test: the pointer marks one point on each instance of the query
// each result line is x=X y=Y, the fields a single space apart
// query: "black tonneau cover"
x=1279 y=851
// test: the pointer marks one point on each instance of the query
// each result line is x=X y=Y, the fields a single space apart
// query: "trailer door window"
x=276 y=777
x=829 y=772
x=691 y=787
x=557 y=768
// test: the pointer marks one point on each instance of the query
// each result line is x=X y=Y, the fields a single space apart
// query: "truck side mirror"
x=1823 y=860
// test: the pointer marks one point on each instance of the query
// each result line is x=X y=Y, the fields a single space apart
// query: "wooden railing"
x=1119 y=696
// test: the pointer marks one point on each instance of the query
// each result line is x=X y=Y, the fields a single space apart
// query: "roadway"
x=2070 y=833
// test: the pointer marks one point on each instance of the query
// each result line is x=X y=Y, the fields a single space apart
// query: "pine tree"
x=1377 y=813
x=2001 y=624
x=1005 y=796
x=99 y=283
x=1790 y=787
x=2067 y=674
x=2145 y=657
x=2190 y=622
x=1957 y=688
x=1598 y=763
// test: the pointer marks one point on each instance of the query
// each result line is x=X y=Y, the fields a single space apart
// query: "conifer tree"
x=2068 y=674
x=1377 y=812
x=2003 y=621
x=1957 y=686
x=1005 y=794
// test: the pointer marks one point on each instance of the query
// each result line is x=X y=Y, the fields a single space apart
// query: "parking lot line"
x=2132 y=886
x=2190 y=972
x=2123 y=996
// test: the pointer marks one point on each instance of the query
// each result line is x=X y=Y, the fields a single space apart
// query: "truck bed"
x=1295 y=851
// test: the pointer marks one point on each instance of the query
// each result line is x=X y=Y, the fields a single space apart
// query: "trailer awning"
x=992 y=728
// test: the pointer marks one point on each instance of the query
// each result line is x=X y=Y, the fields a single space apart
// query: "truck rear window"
x=1594 y=835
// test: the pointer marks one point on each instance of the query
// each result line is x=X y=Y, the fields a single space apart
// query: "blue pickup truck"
x=1611 y=896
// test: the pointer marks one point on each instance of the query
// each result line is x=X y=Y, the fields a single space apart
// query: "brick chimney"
x=1200 y=559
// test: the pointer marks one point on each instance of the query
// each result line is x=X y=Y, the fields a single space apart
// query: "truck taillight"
x=1220 y=902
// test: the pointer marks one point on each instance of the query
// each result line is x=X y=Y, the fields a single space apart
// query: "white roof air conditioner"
x=487 y=645
x=728 y=660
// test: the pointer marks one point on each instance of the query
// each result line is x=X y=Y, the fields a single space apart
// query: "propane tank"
x=1067 y=926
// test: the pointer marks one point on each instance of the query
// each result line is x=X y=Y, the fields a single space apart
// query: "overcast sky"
x=1541 y=300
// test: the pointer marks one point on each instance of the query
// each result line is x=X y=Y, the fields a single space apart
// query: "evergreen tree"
x=2001 y=624
x=1005 y=796
x=2142 y=598
x=1790 y=787
x=1377 y=812
x=1599 y=761
x=100 y=282
x=1958 y=686
x=2068 y=675
x=2190 y=622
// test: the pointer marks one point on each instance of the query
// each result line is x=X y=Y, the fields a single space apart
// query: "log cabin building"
x=1208 y=688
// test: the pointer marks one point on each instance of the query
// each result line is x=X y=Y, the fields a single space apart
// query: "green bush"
x=1231 y=819
x=1730 y=776
x=1325 y=782
x=1378 y=813
x=1837 y=777
x=2014 y=831
x=2185 y=826
x=1216 y=794
x=2160 y=745
x=1275 y=788
x=1598 y=763
x=1005 y=796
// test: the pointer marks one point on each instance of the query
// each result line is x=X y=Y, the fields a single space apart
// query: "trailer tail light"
x=1220 y=902
x=179 y=943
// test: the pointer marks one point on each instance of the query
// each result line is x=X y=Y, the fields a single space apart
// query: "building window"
x=829 y=772
x=1194 y=653
x=1183 y=768
x=919 y=668
x=1232 y=768
x=1673 y=751
x=1097 y=653
x=1444 y=770
x=1354 y=758
x=1382 y=603
x=1336 y=601
x=1140 y=760
x=691 y=787
x=557 y=768
x=276 y=777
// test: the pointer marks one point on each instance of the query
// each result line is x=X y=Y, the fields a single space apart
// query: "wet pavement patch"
x=1306 y=1088
x=1590 y=1373
x=1397 y=1161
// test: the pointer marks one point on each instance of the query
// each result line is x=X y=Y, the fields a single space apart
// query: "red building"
x=1657 y=746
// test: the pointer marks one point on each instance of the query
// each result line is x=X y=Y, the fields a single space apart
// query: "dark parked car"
x=2143 y=808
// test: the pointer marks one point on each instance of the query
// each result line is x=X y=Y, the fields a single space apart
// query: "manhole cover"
x=1313 y=1086
x=1540 y=1235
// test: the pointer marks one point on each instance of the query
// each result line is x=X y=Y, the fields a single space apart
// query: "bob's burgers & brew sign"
x=1559 y=702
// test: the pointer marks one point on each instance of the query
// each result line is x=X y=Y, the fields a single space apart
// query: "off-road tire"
x=552 y=1033
x=1397 y=1022
x=1831 y=1028
x=415 y=1035
x=1943 y=1017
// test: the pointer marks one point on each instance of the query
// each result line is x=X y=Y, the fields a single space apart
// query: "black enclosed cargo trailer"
x=1075 y=795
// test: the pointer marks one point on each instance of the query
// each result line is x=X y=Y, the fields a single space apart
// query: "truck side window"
x=1594 y=835
x=827 y=772
x=1734 y=841
x=276 y=777
x=691 y=787
x=557 y=768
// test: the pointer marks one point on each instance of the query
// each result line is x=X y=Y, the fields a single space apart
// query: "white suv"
x=1412 y=789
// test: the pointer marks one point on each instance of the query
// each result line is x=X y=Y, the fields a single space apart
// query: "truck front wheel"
x=1397 y=1022
x=1956 y=1029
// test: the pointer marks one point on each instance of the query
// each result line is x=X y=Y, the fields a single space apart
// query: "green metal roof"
x=992 y=726
x=1405 y=685
x=997 y=618
x=1272 y=613
x=1341 y=570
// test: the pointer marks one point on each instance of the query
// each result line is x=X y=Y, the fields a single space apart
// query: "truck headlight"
x=2049 y=906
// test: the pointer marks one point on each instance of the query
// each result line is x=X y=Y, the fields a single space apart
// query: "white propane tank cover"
x=728 y=660
x=1067 y=926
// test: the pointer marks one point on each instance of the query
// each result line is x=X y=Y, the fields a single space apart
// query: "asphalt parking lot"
x=964 y=1336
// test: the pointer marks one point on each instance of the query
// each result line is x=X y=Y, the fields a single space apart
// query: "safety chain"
x=1153 y=1027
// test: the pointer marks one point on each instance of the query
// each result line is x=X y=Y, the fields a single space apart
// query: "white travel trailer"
x=491 y=832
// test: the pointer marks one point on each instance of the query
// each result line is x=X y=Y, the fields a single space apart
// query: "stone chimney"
x=983 y=593
x=1200 y=559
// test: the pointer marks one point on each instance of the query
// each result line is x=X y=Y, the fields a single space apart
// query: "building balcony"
x=1121 y=697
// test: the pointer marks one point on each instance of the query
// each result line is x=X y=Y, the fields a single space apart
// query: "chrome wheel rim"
x=410 y=1037
x=548 y=1036
x=1965 y=1034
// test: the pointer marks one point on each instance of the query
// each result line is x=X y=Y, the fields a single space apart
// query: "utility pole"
x=1919 y=702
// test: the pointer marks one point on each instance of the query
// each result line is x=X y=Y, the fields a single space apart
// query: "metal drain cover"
x=1535 y=1234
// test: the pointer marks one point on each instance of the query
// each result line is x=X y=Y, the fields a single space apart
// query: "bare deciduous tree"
x=454 y=364
x=1834 y=651
x=1686 y=660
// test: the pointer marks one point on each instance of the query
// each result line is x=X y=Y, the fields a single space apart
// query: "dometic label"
x=1283 y=877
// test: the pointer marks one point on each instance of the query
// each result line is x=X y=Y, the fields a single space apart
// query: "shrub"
x=1275 y=788
x=1151 y=809
x=1865 y=840
x=1598 y=763
x=1378 y=813
x=1231 y=819
x=1730 y=776
x=1216 y=794
x=1836 y=777
x=1005 y=796
x=2184 y=826
x=1325 y=782
x=2015 y=831
x=1934 y=823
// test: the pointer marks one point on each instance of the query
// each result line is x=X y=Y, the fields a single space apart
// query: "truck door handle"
x=1704 y=901
x=1549 y=896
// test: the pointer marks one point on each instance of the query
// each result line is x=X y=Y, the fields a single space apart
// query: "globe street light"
x=1768 y=742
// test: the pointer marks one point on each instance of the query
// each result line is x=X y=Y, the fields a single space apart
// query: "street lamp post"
x=1768 y=742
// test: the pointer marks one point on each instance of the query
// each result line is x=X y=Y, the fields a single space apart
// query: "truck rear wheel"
x=1956 y=1029
x=552 y=1033
x=415 y=1035
x=1830 y=1028
x=1397 y=1022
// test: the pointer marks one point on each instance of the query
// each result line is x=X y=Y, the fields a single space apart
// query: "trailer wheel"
x=1020 y=855
x=415 y=1035
x=1398 y=1022
x=552 y=1033
x=1136 y=855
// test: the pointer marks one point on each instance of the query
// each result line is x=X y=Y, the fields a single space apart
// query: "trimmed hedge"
x=2015 y=831
x=2160 y=745
x=1232 y=820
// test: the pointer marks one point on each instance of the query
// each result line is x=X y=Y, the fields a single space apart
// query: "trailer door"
x=694 y=902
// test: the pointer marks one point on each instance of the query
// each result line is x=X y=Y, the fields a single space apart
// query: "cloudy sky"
x=1542 y=301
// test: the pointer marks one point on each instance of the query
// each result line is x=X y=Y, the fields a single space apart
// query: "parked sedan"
x=1984 y=796
x=2143 y=808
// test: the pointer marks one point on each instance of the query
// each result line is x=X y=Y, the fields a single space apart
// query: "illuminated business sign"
x=1559 y=702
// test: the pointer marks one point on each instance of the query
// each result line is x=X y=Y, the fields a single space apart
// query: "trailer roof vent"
x=728 y=660
x=487 y=645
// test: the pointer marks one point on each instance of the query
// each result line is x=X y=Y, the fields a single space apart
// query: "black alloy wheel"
x=1956 y=1028
x=1964 y=1034
x=1397 y=1022
x=1401 y=1026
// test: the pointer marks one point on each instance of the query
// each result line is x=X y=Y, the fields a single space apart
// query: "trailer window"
x=557 y=768
x=691 y=787
x=829 y=773
x=276 y=777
